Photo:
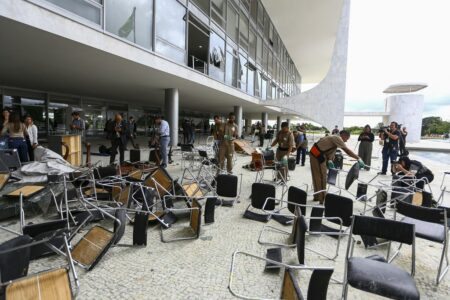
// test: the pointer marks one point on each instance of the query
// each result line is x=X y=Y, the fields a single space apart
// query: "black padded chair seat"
x=426 y=230
x=381 y=278
x=256 y=217
x=283 y=220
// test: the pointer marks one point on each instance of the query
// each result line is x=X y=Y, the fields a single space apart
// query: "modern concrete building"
x=183 y=58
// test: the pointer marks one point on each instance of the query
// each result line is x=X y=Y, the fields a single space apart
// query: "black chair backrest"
x=427 y=214
x=316 y=224
x=302 y=228
x=203 y=153
x=296 y=195
x=186 y=147
x=332 y=176
x=102 y=172
x=35 y=229
x=14 y=264
x=260 y=192
x=339 y=206
x=384 y=228
x=427 y=199
x=318 y=284
x=227 y=185
x=119 y=231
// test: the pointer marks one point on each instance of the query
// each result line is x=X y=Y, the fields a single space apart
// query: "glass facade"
x=131 y=20
x=242 y=47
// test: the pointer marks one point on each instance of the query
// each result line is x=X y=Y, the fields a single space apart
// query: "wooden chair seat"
x=48 y=285
x=290 y=289
x=92 y=246
x=192 y=190
x=91 y=192
x=163 y=180
x=121 y=195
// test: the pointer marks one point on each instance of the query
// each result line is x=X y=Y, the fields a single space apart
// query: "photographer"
x=402 y=142
x=391 y=137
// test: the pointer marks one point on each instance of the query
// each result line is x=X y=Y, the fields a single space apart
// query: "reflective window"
x=131 y=20
x=258 y=84
x=252 y=44
x=216 y=57
x=242 y=73
x=258 y=49
x=264 y=57
x=251 y=79
x=269 y=63
x=232 y=22
x=263 y=89
x=254 y=10
x=266 y=26
x=260 y=16
x=218 y=10
x=170 y=29
x=83 y=8
x=231 y=69
x=243 y=31
x=246 y=4
x=202 y=4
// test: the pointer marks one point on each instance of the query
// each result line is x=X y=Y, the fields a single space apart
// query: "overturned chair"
x=227 y=189
x=49 y=284
x=318 y=283
x=195 y=221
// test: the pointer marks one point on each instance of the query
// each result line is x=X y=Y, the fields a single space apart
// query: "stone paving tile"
x=199 y=269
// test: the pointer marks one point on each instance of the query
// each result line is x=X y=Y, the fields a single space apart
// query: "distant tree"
x=435 y=125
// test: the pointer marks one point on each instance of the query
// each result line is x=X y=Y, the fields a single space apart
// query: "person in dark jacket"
x=366 y=139
x=117 y=133
x=414 y=168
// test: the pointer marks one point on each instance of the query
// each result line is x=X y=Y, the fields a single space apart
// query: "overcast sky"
x=397 y=41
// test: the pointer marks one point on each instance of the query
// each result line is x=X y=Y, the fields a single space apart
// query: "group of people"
x=21 y=134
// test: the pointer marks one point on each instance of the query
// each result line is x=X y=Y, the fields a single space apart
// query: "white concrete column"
x=238 y=113
x=278 y=123
x=407 y=109
x=248 y=126
x=289 y=122
x=171 y=109
x=265 y=118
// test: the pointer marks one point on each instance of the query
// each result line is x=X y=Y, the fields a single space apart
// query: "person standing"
x=321 y=156
x=402 y=142
x=226 y=151
x=285 y=141
x=5 y=119
x=131 y=134
x=32 y=141
x=17 y=133
x=335 y=131
x=218 y=135
x=391 y=138
x=302 y=144
x=118 y=136
x=366 y=139
x=186 y=132
x=262 y=134
x=164 y=139
x=78 y=125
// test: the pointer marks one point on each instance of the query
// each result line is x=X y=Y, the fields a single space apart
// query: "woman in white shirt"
x=33 y=136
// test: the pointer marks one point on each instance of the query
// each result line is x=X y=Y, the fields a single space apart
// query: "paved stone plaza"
x=199 y=269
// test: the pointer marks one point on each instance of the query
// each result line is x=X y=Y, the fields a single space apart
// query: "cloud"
x=398 y=42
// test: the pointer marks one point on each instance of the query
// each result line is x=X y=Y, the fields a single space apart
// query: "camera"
x=382 y=128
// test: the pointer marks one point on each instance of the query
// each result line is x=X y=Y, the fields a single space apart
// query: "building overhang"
x=308 y=30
